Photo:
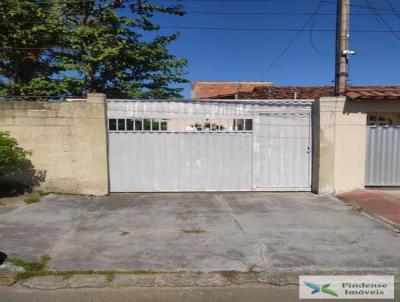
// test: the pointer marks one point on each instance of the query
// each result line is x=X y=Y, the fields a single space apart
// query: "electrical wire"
x=383 y=24
x=313 y=45
x=290 y=44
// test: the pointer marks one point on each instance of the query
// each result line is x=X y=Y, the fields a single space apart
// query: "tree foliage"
x=27 y=29
x=10 y=153
x=86 y=46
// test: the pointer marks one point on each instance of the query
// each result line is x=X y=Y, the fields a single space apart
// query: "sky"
x=233 y=55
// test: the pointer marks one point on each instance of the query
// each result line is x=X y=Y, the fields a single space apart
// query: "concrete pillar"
x=339 y=146
x=96 y=98
x=103 y=144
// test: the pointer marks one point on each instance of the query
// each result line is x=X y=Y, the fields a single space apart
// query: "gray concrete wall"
x=68 y=141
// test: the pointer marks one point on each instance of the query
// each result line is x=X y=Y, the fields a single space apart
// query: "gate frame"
x=287 y=106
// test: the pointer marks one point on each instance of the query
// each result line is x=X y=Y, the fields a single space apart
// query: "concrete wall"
x=68 y=140
x=339 y=146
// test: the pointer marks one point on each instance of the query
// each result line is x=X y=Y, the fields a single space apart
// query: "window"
x=181 y=125
x=112 y=124
x=138 y=125
x=121 y=124
x=130 y=124
x=164 y=125
x=249 y=125
x=155 y=125
x=379 y=120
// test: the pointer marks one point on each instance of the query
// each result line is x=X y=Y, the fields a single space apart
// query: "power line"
x=381 y=21
x=392 y=8
x=265 y=13
x=312 y=36
x=232 y=1
x=291 y=42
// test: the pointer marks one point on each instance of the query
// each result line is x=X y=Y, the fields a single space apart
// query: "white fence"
x=383 y=156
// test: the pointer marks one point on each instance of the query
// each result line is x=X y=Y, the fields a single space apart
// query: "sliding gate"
x=162 y=146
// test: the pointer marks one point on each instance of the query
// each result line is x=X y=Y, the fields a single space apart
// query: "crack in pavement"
x=261 y=245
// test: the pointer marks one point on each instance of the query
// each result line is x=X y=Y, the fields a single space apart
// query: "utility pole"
x=342 y=46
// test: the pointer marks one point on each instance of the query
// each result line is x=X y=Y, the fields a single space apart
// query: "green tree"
x=27 y=30
x=90 y=45
x=10 y=153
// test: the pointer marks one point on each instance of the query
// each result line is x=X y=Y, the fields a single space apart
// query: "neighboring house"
x=210 y=89
x=245 y=91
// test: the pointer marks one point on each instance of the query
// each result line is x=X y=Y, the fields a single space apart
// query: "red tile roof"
x=288 y=92
x=374 y=93
x=211 y=89
x=356 y=93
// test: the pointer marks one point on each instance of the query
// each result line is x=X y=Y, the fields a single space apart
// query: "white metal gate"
x=283 y=152
x=163 y=146
x=383 y=156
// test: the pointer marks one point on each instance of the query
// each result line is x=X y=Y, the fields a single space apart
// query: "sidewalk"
x=380 y=203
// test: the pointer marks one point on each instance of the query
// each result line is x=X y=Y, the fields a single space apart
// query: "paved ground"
x=248 y=293
x=383 y=203
x=8 y=204
x=206 y=232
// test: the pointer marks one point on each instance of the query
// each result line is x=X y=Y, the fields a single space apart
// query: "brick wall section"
x=68 y=141
x=206 y=90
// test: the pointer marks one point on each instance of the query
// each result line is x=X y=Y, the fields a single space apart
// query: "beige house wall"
x=339 y=131
x=339 y=147
x=68 y=141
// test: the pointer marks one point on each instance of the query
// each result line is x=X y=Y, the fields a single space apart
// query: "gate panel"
x=383 y=156
x=232 y=145
x=283 y=152
x=146 y=162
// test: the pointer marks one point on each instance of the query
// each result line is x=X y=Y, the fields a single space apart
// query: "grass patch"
x=39 y=268
x=229 y=275
x=110 y=277
x=33 y=199
x=43 y=193
x=32 y=268
x=193 y=231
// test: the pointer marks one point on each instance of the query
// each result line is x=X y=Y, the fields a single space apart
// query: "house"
x=210 y=89
x=253 y=137
x=258 y=91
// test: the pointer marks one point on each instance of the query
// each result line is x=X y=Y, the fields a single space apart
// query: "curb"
x=393 y=225
x=178 y=279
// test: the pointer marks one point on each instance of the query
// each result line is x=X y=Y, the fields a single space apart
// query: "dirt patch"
x=193 y=231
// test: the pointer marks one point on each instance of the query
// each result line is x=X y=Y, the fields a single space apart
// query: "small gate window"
x=147 y=125
x=129 y=124
x=249 y=125
x=112 y=124
x=238 y=124
x=121 y=124
x=138 y=125
x=164 y=125
x=155 y=125
x=181 y=125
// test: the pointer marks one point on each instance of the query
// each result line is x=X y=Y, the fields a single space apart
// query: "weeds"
x=31 y=269
x=40 y=268
x=33 y=199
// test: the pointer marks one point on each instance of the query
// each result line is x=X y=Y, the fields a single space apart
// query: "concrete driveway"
x=200 y=232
